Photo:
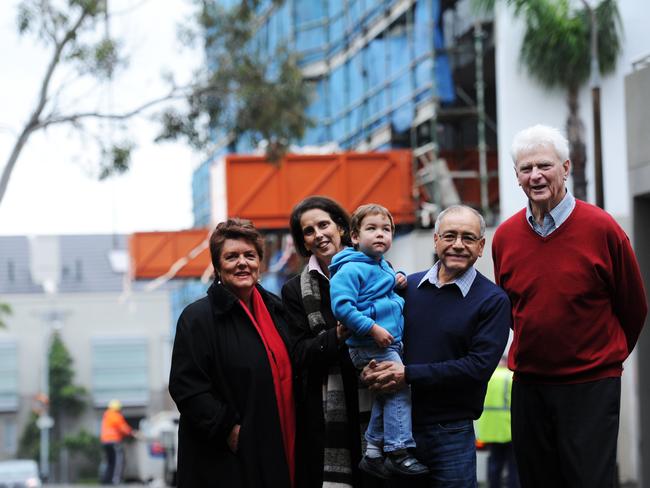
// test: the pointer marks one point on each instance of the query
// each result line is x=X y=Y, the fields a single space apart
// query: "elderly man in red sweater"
x=578 y=306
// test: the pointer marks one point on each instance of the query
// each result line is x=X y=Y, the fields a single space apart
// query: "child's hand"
x=400 y=281
x=342 y=332
x=381 y=336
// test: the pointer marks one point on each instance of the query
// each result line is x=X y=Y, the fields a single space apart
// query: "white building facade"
x=117 y=334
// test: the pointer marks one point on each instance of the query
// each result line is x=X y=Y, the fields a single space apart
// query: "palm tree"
x=556 y=51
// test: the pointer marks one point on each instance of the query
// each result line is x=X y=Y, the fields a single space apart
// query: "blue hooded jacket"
x=362 y=291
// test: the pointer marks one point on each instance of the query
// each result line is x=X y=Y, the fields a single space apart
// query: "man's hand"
x=342 y=332
x=400 y=281
x=384 y=377
x=381 y=336
x=233 y=438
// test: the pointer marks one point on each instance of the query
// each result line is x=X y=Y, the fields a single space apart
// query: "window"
x=11 y=272
x=120 y=370
x=9 y=436
x=8 y=376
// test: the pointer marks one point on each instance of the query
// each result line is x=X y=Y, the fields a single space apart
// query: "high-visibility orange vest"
x=114 y=427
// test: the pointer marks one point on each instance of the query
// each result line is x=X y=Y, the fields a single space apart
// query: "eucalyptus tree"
x=246 y=87
x=243 y=89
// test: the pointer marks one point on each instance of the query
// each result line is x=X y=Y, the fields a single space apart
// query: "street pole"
x=480 y=109
x=595 y=104
x=44 y=415
x=53 y=322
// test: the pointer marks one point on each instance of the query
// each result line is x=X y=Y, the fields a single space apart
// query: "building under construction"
x=389 y=74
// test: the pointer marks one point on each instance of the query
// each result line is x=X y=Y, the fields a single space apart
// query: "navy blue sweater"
x=452 y=344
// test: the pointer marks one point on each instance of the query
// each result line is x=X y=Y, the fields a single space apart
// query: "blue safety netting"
x=378 y=84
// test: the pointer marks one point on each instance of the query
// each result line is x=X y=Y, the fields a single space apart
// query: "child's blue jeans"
x=390 y=418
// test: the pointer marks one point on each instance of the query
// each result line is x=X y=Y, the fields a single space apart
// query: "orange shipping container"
x=154 y=253
x=265 y=193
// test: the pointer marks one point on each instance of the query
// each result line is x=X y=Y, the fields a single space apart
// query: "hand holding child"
x=342 y=332
x=400 y=280
x=381 y=336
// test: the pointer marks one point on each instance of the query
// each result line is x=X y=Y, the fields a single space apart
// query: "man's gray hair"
x=458 y=209
x=539 y=136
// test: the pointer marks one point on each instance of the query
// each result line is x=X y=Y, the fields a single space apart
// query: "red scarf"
x=282 y=374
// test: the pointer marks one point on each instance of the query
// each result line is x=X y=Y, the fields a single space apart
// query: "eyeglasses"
x=466 y=239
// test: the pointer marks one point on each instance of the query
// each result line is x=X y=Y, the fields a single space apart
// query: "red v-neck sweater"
x=578 y=303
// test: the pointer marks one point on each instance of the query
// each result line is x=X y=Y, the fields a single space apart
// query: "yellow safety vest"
x=494 y=425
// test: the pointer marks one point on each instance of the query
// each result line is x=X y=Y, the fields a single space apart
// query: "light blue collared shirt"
x=555 y=218
x=463 y=282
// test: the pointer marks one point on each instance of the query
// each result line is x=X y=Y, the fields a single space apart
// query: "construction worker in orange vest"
x=494 y=428
x=114 y=430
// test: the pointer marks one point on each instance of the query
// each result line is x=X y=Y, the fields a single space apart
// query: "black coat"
x=312 y=357
x=220 y=376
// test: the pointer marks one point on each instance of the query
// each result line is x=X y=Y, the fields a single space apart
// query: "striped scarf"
x=337 y=469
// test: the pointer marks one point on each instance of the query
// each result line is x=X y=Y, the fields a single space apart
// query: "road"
x=130 y=485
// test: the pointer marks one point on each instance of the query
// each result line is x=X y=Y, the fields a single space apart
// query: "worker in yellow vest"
x=494 y=428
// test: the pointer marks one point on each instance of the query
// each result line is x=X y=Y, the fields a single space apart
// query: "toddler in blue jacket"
x=364 y=300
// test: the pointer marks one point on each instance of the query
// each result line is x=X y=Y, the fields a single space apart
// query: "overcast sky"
x=52 y=190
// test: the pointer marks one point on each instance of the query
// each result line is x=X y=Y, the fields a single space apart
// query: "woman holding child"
x=328 y=425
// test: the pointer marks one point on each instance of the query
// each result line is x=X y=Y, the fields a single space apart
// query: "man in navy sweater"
x=455 y=330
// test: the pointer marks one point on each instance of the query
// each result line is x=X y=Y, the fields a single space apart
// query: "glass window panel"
x=422 y=31
x=308 y=39
x=8 y=376
x=309 y=10
x=356 y=119
x=336 y=7
x=375 y=62
x=444 y=79
x=376 y=105
x=398 y=50
x=338 y=130
x=9 y=436
x=338 y=99
x=402 y=117
x=423 y=73
x=357 y=81
x=120 y=370
x=354 y=14
x=280 y=23
x=400 y=88
x=336 y=29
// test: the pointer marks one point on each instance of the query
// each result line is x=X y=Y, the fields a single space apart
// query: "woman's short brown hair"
x=338 y=215
x=234 y=229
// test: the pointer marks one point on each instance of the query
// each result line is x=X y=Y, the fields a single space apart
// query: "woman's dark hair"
x=338 y=215
x=234 y=229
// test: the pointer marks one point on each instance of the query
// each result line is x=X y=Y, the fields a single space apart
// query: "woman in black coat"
x=329 y=440
x=231 y=375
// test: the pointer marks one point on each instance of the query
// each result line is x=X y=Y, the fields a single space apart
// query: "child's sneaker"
x=374 y=466
x=403 y=463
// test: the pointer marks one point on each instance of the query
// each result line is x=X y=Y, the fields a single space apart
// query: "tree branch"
x=34 y=123
x=56 y=58
x=71 y=118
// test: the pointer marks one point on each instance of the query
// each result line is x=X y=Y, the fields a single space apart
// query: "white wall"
x=87 y=316
x=522 y=102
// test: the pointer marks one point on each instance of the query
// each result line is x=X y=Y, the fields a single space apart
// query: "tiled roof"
x=84 y=260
